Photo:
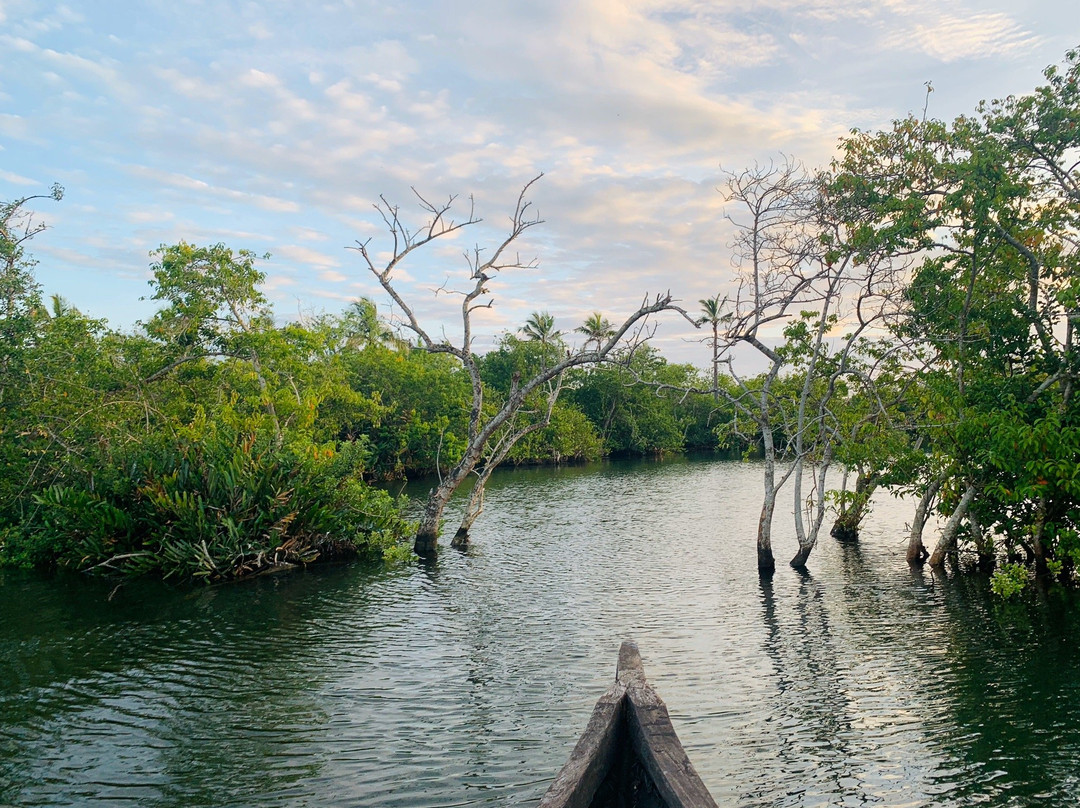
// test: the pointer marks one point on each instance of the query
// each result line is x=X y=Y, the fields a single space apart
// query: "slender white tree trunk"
x=947 y=543
x=916 y=551
x=766 y=561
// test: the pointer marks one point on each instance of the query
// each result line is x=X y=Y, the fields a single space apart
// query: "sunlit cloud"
x=953 y=38
x=305 y=255
x=278 y=135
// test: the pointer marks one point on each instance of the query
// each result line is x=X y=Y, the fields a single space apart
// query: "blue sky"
x=274 y=126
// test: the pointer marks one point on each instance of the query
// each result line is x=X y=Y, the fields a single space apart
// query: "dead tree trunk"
x=475 y=506
x=427 y=533
x=766 y=561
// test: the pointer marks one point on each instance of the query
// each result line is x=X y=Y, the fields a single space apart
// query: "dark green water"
x=466 y=683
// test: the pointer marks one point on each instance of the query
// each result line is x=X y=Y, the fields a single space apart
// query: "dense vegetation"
x=987 y=210
x=214 y=442
x=915 y=304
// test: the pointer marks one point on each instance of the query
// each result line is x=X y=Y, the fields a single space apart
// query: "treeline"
x=915 y=307
x=928 y=288
x=213 y=442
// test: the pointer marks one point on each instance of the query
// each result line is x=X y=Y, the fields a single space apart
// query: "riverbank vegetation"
x=913 y=309
x=215 y=442
x=928 y=287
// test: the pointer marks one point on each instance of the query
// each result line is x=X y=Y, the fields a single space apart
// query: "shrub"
x=1009 y=579
x=213 y=506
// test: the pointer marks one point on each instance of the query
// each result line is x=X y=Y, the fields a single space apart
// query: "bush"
x=1009 y=579
x=217 y=506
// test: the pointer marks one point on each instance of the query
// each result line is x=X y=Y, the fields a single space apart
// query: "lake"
x=467 y=682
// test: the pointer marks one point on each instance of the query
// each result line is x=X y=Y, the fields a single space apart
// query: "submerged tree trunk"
x=947 y=543
x=473 y=508
x=427 y=533
x=506 y=442
x=802 y=556
x=916 y=551
x=766 y=562
x=808 y=541
x=854 y=510
x=1037 y=546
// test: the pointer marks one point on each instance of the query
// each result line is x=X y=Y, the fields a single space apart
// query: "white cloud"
x=146 y=216
x=308 y=234
x=629 y=106
x=953 y=38
x=17 y=179
x=305 y=255
x=14 y=126
x=184 y=182
x=260 y=31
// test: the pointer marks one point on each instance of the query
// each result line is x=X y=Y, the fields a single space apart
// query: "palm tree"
x=712 y=309
x=596 y=328
x=362 y=326
x=540 y=327
x=60 y=306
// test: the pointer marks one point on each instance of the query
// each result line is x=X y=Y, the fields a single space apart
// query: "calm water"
x=466 y=683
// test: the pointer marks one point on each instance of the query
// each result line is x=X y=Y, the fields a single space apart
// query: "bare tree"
x=795 y=280
x=516 y=429
x=772 y=280
x=482 y=267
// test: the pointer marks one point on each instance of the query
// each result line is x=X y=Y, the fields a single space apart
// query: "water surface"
x=465 y=683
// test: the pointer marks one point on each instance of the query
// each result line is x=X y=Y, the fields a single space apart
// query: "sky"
x=274 y=126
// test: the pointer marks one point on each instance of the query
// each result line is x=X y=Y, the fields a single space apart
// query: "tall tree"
x=540 y=327
x=712 y=313
x=481 y=268
x=215 y=308
x=988 y=209
x=20 y=295
x=596 y=329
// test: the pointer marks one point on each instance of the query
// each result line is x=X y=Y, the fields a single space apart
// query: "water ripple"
x=467 y=682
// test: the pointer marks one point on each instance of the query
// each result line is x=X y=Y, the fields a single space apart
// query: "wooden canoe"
x=629 y=755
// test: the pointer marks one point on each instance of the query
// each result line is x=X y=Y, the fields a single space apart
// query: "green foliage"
x=540 y=327
x=1009 y=580
x=211 y=295
x=419 y=406
x=569 y=436
x=640 y=409
x=597 y=329
x=190 y=451
x=987 y=206
x=215 y=503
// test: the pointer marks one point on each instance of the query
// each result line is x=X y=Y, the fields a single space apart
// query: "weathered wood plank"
x=661 y=753
x=630 y=666
x=593 y=756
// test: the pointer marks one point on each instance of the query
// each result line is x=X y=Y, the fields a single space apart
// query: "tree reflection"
x=811 y=710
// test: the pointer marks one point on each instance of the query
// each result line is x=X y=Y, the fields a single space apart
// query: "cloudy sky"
x=275 y=125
